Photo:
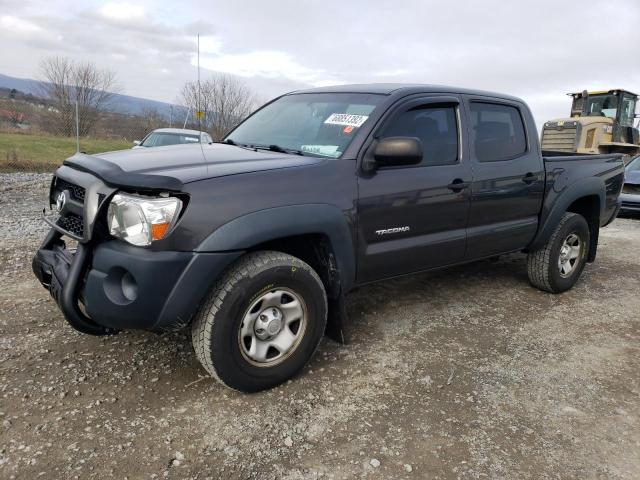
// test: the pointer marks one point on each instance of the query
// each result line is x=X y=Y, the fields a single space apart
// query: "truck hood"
x=172 y=166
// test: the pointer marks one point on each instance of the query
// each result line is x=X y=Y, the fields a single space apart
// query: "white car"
x=172 y=136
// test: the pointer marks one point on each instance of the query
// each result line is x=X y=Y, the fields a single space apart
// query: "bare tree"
x=66 y=81
x=17 y=114
x=195 y=102
x=224 y=100
x=152 y=119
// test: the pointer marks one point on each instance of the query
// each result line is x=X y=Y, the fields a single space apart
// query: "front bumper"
x=120 y=286
x=630 y=203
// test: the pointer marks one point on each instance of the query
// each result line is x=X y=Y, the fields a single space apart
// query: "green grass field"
x=43 y=153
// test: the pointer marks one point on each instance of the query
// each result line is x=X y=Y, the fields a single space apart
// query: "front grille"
x=559 y=140
x=72 y=223
x=631 y=188
x=71 y=218
x=77 y=191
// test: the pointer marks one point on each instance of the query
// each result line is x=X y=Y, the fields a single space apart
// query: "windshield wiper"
x=271 y=148
x=279 y=149
x=228 y=141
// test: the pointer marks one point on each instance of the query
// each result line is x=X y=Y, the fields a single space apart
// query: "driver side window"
x=435 y=126
x=628 y=111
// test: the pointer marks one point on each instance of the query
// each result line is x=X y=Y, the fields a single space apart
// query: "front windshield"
x=602 y=105
x=634 y=165
x=161 y=139
x=319 y=124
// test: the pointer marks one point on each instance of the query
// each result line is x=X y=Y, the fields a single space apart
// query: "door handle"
x=529 y=178
x=458 y=185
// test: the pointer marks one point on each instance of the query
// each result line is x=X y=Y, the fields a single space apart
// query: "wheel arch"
x=313 y=232
x=585 y=197
x=589 y=208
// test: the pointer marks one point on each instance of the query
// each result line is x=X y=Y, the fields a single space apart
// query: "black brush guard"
x=59 y=271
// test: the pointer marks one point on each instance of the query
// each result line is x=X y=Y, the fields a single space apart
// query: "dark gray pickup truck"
x=253 y=242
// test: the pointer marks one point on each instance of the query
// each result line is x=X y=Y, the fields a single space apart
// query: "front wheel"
x=262 y=321
x=557 y=266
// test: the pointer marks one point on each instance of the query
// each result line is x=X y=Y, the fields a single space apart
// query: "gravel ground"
x=461 y=373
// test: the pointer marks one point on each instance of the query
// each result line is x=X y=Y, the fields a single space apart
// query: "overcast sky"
x=538 y=50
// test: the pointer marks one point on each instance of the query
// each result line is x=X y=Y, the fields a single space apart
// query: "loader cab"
x=619 y=105
x=600 y=122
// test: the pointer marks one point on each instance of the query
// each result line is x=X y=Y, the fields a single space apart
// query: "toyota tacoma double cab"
x=254 y=241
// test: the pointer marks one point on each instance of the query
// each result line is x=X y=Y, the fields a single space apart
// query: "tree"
x=224 y=100
x=16 y=115
x=149 y=120
x=193 y=102
x=66 y=82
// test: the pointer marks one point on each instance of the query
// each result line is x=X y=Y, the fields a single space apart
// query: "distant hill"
x=22 y=84
x=124 y=104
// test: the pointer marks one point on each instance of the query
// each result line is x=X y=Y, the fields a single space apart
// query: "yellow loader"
x=600 y=122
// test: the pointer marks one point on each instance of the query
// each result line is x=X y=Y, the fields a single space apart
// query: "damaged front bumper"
x=59 y=270
x=106 y=287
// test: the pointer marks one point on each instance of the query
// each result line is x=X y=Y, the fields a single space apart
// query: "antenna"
x=199 y=114
x=77 y=129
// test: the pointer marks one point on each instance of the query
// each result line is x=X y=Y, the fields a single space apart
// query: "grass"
x=43 y=153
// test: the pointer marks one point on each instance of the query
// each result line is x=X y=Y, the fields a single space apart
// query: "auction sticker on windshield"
x=346 y=119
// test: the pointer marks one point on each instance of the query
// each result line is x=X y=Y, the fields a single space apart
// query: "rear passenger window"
x=497 y=131
x=436 y=127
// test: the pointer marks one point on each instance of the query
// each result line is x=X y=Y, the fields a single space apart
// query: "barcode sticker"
x=346 y=119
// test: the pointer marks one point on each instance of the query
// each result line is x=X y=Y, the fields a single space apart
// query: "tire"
x=245 y=334
x=545 y=267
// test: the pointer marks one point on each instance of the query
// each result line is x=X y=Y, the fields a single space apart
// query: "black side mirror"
x=396 y=151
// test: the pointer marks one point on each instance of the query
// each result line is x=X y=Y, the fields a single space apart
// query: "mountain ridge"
x=124 y=104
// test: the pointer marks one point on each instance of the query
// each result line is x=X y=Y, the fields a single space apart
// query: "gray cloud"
x=537 y=50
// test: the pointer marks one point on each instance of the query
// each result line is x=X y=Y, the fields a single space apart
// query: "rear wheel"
x=557 y=266
x=262 y=321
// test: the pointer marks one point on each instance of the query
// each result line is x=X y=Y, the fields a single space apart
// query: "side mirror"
x=397 y=151
x=136 y=142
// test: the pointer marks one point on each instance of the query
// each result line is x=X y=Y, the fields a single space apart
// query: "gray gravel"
x=22 y=198
x=460 y=373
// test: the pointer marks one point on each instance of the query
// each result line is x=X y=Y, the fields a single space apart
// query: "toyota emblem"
x=61 y=199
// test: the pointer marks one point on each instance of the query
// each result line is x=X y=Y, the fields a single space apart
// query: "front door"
x=414 y=217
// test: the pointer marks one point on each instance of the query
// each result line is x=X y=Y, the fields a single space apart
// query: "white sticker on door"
x=346 y=119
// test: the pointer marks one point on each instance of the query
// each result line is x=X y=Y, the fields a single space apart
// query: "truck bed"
x=570 y=175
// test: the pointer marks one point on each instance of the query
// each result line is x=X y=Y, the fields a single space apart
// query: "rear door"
x=508 y=177
x=414 y=217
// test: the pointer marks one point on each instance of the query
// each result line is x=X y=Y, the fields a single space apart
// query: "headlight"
x=141 y=220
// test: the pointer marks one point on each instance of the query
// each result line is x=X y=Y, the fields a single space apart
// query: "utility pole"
x=77 y=129
x=186 y=117
x=199 y=114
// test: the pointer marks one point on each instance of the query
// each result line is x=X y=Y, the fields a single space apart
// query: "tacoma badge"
x=387 y=231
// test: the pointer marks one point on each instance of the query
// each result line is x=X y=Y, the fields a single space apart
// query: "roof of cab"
x=602 y=92
x=401 y=88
